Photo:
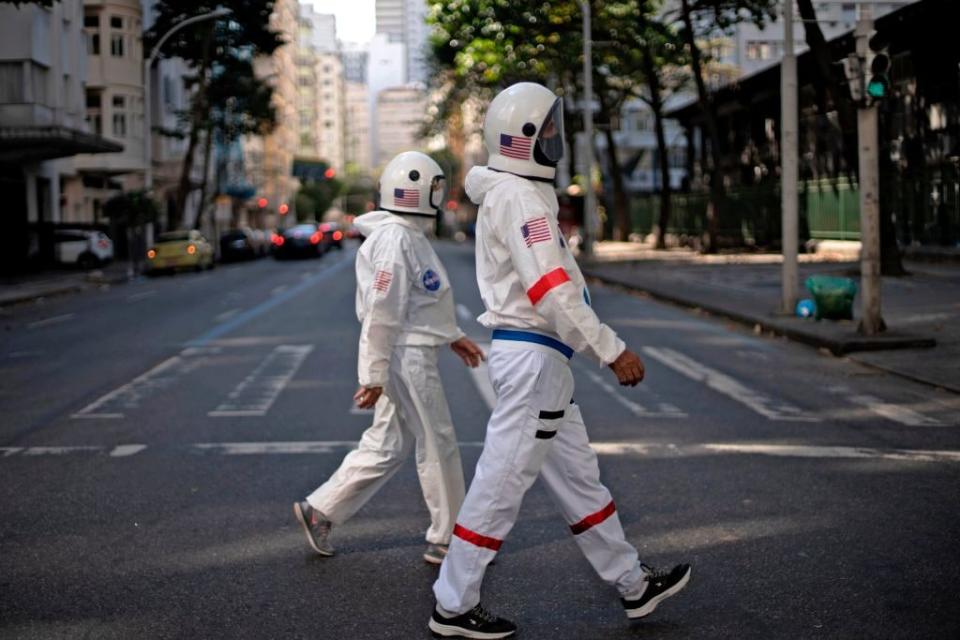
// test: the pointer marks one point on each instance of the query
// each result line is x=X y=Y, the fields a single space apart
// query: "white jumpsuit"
x=538 y=305
x=406 y=308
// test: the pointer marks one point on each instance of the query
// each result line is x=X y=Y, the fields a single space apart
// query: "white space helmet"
x=523 y=131
x=413 y=183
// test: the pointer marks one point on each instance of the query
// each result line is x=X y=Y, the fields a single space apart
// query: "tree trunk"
x=713 y=130
x=831 y=91
x=207 y=152
x=198 y=111
x=456 y=141
x=621 y=207
x=656 y=105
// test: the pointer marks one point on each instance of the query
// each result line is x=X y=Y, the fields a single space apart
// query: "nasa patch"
x=431 y=281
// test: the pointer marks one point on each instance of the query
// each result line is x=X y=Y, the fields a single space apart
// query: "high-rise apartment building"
x=399 y=117
x=43 y=67
x=404 y=21
x=357 y=125
x=318 y=30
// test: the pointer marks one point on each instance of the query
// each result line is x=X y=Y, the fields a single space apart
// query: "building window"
x=120 y=125
x=116 y=22
x=91 y=22
x=116 y=45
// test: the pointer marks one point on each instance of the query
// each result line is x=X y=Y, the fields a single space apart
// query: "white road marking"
x=49 y=321
x=464 y=313
x=726 y=385
x=357 y=411
x=666 y=410
x=481 y=378
x=142 y=295
x=640 y=449
x=129 y=395
x=254 y=396
x=126 y=450
x=226 y=315
x=890 y=411
x=278 y=290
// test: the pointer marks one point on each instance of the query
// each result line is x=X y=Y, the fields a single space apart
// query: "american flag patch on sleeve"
x=406 y=197
x=535 y=231
x=381 y=280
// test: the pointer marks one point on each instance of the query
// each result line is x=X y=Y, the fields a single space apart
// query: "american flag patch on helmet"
x=515 y=146
x=406 y=197
x=381 y=280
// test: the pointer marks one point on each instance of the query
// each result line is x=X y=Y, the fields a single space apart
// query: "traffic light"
x=283 y=209
x=330 y=173
x=878 y=87
x=262 y=203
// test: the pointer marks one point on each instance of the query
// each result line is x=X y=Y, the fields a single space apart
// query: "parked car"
x=180 y=250
x=238 y=244
x=83 y=248
x=333 y=234
x=304 y=240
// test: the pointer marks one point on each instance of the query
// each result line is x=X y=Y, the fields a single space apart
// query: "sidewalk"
x=46 y=284
x=922 y=311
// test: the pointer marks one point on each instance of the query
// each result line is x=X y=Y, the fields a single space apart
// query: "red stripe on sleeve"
x=542 y=286
x=594 y=519
x=475 y=538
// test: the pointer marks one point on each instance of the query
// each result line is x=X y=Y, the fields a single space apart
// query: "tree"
x=131 y=211
x=213 y=50
x=699 y=19
x=317 y=197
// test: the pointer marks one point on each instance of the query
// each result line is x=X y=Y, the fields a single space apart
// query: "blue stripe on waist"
x=536 y=338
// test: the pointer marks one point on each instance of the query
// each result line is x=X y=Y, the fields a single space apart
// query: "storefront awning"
x=34 y=144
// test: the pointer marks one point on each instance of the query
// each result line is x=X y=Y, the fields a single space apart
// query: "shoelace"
x=483 y=614
x=654 y=575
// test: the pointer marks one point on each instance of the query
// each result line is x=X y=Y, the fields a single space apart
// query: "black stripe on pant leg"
x=543 y=434
x=551 y=415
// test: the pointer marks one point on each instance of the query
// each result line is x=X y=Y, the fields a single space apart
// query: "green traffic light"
x=877 y=88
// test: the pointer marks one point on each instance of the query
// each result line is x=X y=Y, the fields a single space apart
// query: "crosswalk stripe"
x=256 y=393
x=666 y=410
x=728 y=386
x=638 y=449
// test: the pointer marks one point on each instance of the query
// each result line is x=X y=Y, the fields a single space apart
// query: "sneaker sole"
x=298 y=512
x=449 y=631
x=648 y=608
x=434 y=560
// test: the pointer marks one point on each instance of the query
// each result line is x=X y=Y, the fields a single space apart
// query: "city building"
x=114 y=104
x=399 y=118
x=357 y=126
x=354 y=57
x=386 y=67
x=404 y=22
x=756 y=48
x=269 y=158
x=318 y=31
x=43 y=125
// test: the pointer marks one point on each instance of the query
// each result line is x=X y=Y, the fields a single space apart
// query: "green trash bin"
x=834 y=296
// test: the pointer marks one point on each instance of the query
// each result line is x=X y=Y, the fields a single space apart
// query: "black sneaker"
x=315 y=525
x=476 y=623
x=660 y=586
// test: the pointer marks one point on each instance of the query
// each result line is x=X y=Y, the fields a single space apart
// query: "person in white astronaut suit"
x=538 y=306
x=405 y=305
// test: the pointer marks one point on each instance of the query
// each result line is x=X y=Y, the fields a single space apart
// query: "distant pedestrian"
x=405 y=305
x=538 y=306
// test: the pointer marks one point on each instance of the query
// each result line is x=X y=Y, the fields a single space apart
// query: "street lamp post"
x=586 y=153
x=147 y=106
x=789 y=159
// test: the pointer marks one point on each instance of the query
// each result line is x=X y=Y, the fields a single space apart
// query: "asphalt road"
x=154 y=436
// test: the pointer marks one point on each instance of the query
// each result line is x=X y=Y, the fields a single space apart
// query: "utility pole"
x=586 y=152
x=871 y=321
x=789 y=157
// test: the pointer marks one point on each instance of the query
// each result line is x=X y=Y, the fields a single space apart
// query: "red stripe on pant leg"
x=475 y=538
x=542 y=286
x=594 y=519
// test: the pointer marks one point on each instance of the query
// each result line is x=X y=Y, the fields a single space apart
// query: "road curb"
x=787 y=327
x=30 y=296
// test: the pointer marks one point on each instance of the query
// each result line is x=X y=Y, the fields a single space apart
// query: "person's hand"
x=468 y=351
x=366 y=397
x=628 y=367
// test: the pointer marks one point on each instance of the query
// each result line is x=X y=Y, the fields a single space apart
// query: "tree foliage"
x=228 y=99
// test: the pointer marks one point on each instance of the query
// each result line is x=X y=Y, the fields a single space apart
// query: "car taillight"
x=338 y=235
x=277 y=240
x=104 y=243
x=191 y=249
x=152 y=254
x=316 y=237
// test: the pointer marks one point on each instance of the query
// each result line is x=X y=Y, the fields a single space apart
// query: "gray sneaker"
x=315 y=525
x=435 y=553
